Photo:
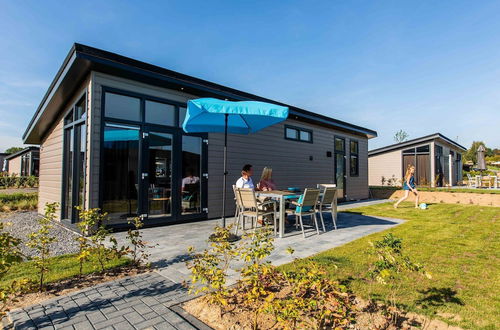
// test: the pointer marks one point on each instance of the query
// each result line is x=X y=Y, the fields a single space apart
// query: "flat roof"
x=82 y=59
x=405 y=144
x=21 y=152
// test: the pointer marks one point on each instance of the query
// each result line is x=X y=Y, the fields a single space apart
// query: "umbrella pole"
x=225 y=174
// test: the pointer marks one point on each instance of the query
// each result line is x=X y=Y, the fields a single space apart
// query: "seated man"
x=246 y=178
x=189 y=179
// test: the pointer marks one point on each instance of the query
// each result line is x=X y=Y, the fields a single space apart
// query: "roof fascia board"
x=51 y=91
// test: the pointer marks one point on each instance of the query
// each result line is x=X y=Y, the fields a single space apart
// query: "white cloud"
x=9 y=141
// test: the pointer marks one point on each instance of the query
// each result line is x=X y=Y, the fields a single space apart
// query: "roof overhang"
x=21 y=152
x=82 y=59
x=410 y=143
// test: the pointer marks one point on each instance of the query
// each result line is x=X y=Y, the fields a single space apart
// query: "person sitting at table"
x=189 y=179
x=266 y=182
x=246 y=178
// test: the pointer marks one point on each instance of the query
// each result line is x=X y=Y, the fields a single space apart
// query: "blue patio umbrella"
x=212 y=115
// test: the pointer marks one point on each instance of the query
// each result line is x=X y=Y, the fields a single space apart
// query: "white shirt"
x=244 y=183
x=190 y=180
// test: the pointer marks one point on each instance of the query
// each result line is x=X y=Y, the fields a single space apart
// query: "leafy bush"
x=303 y=299
x=13 y=180
x=94 y=220
x=10 y=254
x=138 y=251
x=41 y=240
x=18 y=201
x=391 y=267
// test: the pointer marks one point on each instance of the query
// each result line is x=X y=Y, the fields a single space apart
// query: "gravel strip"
x=23 y=223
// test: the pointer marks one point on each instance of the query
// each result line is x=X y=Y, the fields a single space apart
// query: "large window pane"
x=122 y=107
x=120 y=162
x=182 y=115
x=160 y=113
x=68 y=172
x=82 y=133
x=160 y=174
x=191 y=173
x=354 y=147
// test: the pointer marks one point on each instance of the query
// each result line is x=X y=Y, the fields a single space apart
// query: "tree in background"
x=401 y=136
x=12 y=150
x=471 y=154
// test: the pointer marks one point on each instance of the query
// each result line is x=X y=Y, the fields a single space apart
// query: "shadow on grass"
x=435 y=297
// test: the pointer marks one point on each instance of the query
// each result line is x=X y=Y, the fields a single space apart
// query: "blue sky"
x=421 y=66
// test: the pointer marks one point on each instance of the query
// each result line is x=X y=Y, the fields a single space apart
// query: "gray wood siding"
x=289 y=159
x=384 y=165
x=51 y=160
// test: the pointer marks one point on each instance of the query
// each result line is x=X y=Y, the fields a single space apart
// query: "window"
x=298 y=134
x=160 y=113
x=182 y=115
x=122 y=107
x=354 y=158
x=291 y=133
x=339 y=144
x=74 y=147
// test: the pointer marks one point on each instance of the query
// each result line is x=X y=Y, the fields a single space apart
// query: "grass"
x=451 y=190
x=18 y=201
x=61 y=267
x=457 y=244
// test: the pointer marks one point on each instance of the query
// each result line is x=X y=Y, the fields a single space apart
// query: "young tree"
x=471 y=154
x=401 y=136
x=12 y=150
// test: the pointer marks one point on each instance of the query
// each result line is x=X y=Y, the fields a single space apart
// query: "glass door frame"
x=177 y=133
x=335 y=153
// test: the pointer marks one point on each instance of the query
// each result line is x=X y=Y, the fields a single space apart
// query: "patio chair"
x=252 y=208
x=471 y=182
x=328 y=203
x=239 y=209
x=306 y=206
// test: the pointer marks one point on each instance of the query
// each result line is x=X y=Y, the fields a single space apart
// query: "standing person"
x=409 y=185
x=266 y=182
x=246 y=178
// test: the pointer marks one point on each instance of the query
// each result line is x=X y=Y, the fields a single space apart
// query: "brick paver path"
x=138 y=302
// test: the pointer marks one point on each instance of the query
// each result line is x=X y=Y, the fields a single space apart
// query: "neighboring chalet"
x=110 y=133
x=25 y=162
x=437 y=160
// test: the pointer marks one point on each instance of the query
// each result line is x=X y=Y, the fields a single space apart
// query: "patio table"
x=281 y=195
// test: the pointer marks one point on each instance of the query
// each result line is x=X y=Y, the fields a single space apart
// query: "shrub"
x=10 y=254
x=138 y=252
x=41 y=240
x=391 y=267
x=94 y=225
x=209 y=268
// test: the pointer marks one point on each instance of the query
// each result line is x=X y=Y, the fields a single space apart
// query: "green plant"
x=41 y=240
x=10 y=255
x=138 y=252
x=209 y=268
x=391 y=267
x=256 y=275
x=94 y=221
x=31 y=181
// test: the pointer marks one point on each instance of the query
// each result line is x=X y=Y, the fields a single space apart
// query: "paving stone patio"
x=138 y=302
x=150 y=301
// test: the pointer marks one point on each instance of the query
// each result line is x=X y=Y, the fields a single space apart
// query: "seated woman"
x=266 y=182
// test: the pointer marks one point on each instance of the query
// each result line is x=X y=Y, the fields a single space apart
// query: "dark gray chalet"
x=109 y=130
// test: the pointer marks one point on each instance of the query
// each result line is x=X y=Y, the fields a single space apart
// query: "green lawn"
x=452 y=190
x=61 y=267
x=458 y=245
x=18 y=201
